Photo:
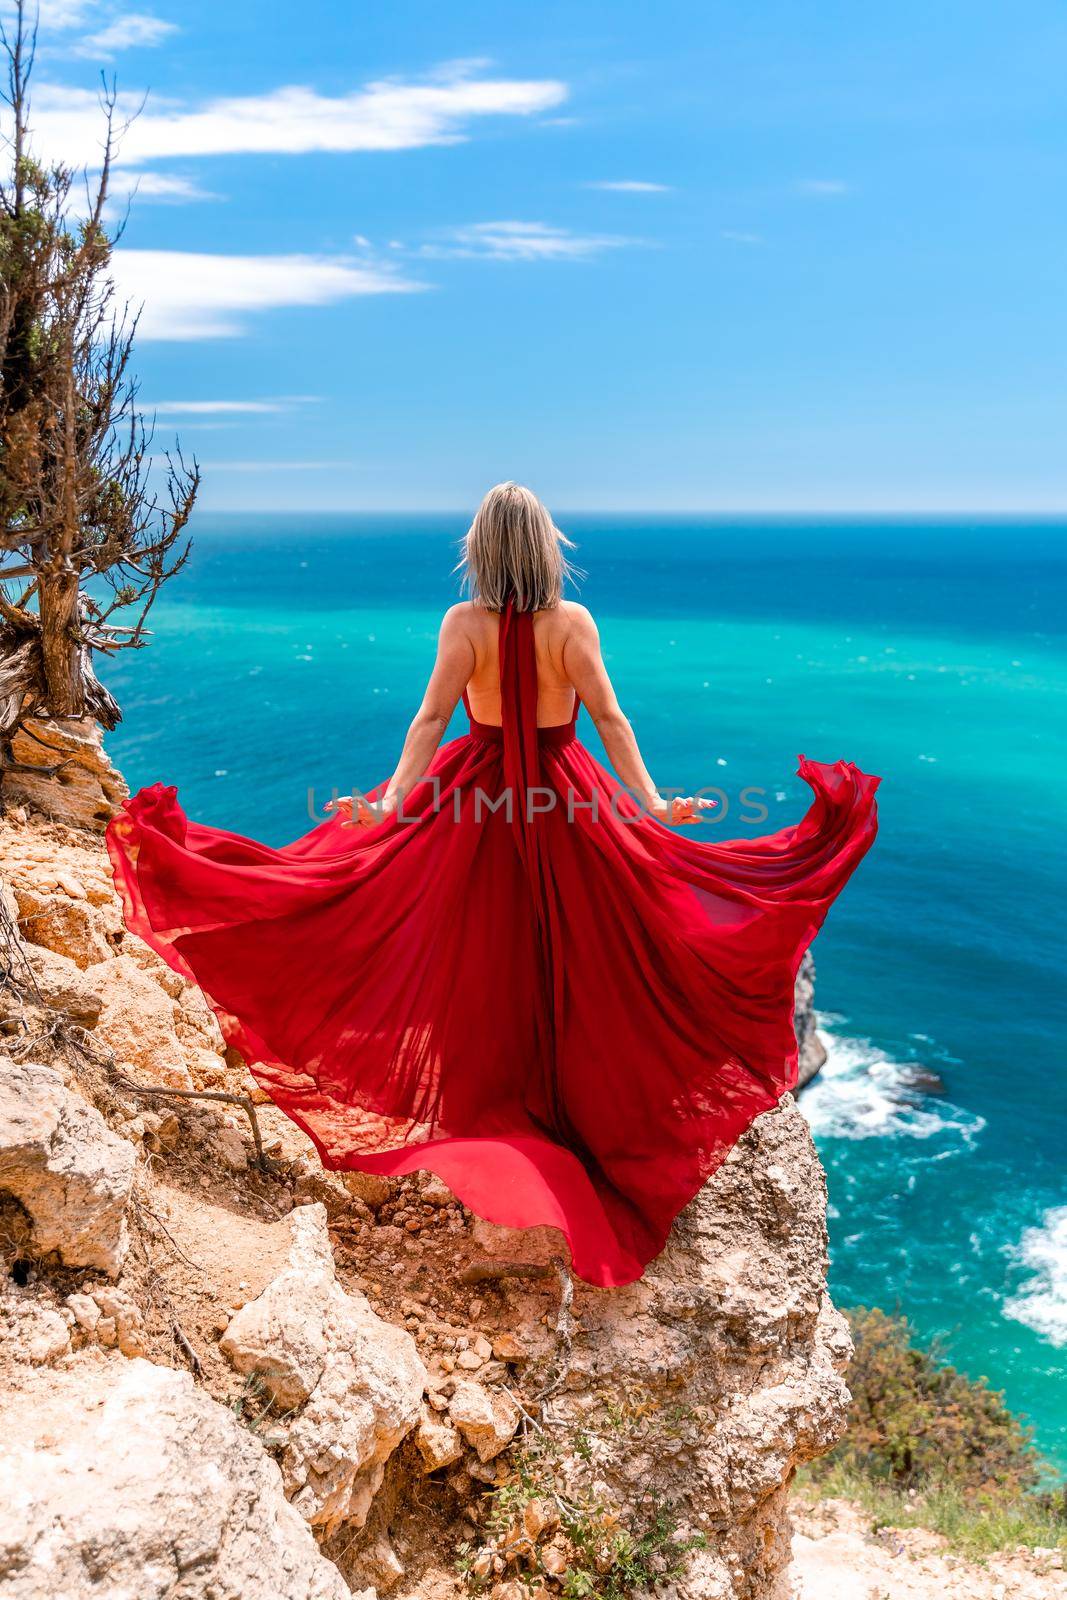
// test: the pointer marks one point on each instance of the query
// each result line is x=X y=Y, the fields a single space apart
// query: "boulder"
x=438 y=1443
x=32 y=1332
x=487 y=1418
x=347 y=1385
x=123 y=1479
x=61 y=1161
x=72 y=928
x=137 y=1020
x=57 y=982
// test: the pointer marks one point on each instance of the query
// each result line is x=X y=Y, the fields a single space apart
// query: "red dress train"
x=565 y=1010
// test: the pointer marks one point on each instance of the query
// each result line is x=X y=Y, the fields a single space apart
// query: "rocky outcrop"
x=812 y=1051
x=405 y=1361
x=84 y=789
x=705 y=1385
x=65 y=1167
x=348 y=1384
x=123 y=1478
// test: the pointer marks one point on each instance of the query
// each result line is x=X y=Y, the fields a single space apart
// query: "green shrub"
x=915 y=1419
x=928 y=1447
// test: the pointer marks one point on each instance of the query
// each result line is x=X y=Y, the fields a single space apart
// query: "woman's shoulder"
x=464 y=616
x=574 y=617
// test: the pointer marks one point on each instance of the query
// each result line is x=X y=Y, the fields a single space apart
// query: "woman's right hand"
x=361 y=812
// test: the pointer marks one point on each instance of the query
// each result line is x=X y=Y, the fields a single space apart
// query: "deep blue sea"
x=290 y=653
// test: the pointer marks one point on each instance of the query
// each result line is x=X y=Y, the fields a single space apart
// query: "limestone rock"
x=438 y=1443
x=352 y=1382
x=487 y=1418
x=62 y=1162
x=32 y=1333
x=72 y=928
x=86 y=791
x=137 y=1022
x=59 y=982
x=120 y=1478
x=119 y=1322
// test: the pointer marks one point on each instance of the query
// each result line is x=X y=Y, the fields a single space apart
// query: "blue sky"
x=683 y=255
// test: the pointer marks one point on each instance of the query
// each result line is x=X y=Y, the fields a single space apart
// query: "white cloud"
x=114 y=29
x=823 y=188
x=385 y=115
x=126 y=185
x=276 y=466
x=125 y=32
x=200 y=296
x=631 y=186
x=737 y=236
x=56 y=15
x=521 y=241
x=215 y=408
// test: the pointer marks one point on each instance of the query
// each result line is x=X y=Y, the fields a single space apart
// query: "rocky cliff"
x=225 y=1371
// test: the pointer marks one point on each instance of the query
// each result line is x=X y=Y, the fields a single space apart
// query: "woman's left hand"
x=681 y=812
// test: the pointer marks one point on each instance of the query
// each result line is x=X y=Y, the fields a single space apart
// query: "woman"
x=501 y=966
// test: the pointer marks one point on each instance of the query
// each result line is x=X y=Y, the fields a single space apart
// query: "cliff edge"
x=223 y=1369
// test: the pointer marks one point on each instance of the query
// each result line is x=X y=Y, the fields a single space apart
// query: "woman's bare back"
x=555 y=692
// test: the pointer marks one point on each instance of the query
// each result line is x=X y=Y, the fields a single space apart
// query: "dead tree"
x=91 y=526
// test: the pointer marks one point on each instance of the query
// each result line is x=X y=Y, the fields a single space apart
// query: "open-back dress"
x=566 y=1010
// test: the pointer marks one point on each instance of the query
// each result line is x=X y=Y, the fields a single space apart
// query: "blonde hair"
x=514 y=550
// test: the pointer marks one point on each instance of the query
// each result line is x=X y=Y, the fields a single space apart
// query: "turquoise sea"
x=290 y=653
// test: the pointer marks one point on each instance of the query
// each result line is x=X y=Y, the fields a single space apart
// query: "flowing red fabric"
x=567 y=1011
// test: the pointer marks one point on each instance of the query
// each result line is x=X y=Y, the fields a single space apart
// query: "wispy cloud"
x=738 y=236
x=216 y=408
x=277 y=466
x=823 y=188
x=167 y=188
x=389 y=114
x=630 y=186
x=521 y=241
x=125 y=32
x=200 y=296
x=105 y=29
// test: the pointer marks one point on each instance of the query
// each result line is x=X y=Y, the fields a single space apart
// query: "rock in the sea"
x=123 y=1479
x=86 y=790
x=812 y=1051
x=348 y=1385
x=61 y=1161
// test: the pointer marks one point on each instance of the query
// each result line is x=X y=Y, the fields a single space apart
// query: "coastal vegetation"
x=929 y=1447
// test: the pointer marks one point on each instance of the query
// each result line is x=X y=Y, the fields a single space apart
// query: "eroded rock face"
x=708 y=1382
x=696 y=1391
x=85 y=791
x=353 y=1382
x=120 y=1478
x=62 y=1162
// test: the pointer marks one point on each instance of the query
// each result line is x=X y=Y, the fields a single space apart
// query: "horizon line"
x=1052 y=512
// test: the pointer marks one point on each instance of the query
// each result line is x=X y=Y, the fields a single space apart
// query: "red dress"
x=569 y=1012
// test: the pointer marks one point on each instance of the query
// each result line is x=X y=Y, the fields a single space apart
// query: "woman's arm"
x=450 y=675
x=584 y=666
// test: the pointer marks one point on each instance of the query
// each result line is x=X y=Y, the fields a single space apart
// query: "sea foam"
x=863 y=1093
x=1041 y=1302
